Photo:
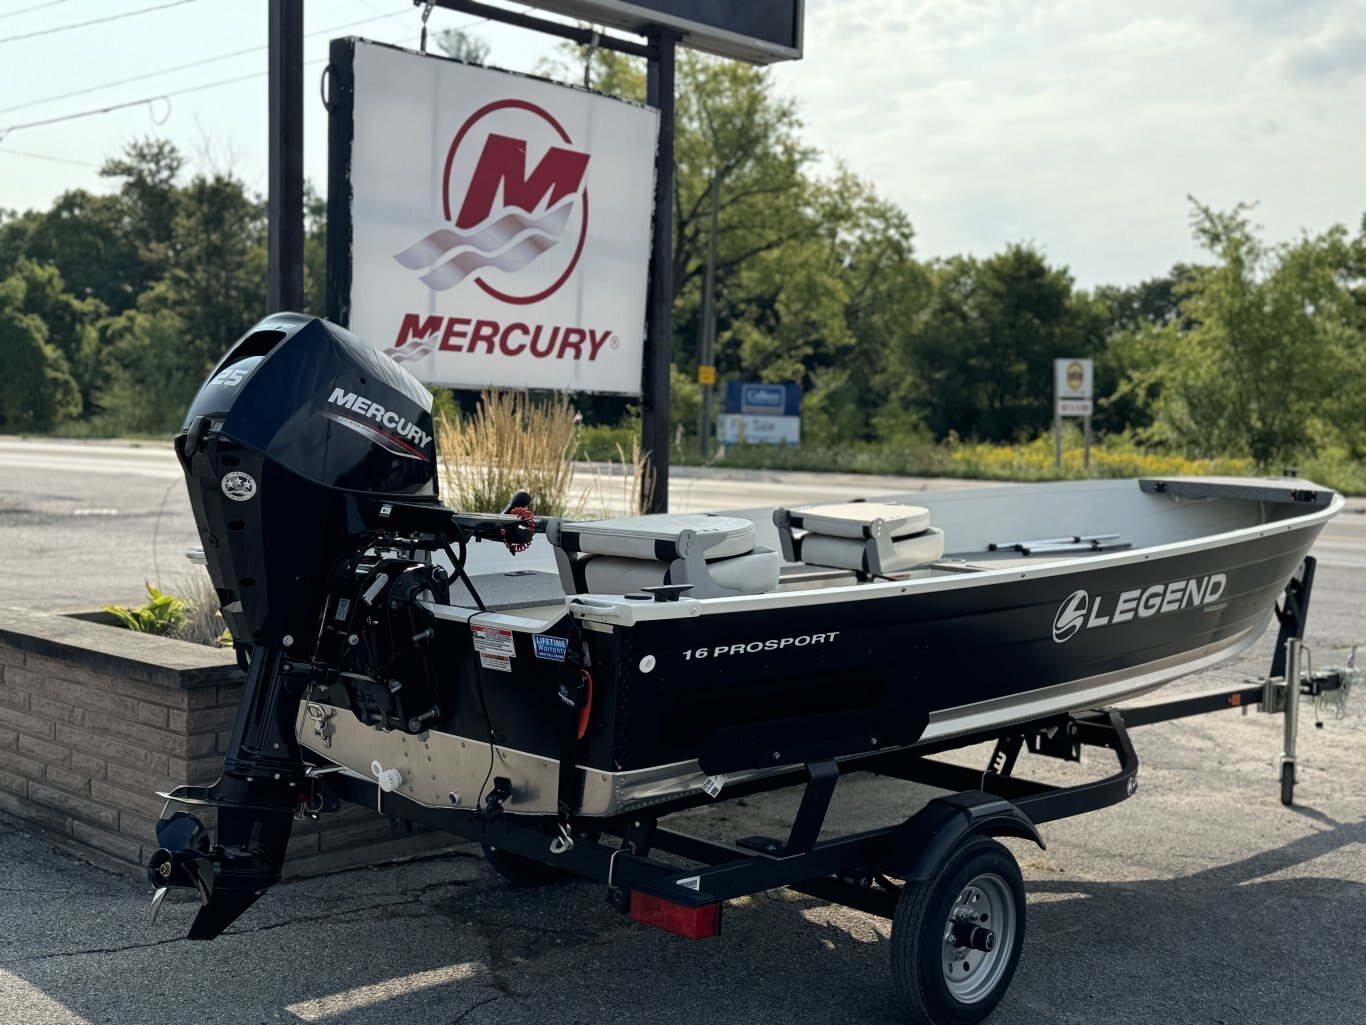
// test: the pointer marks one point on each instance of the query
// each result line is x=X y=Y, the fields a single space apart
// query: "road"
x=1200 y=901
x=87 y=523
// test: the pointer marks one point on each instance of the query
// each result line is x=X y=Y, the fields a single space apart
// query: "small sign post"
x=1072 y=385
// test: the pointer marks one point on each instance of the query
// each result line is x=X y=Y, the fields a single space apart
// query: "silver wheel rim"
x=970 y=974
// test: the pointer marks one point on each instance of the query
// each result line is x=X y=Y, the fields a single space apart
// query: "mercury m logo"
x=515 y=204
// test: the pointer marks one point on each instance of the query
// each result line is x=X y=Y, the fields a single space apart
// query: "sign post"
x=1072 y=386
x=285 y=202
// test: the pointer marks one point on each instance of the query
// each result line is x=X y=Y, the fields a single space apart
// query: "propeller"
x=182 y=832
x=229 y=875
x=181 y=859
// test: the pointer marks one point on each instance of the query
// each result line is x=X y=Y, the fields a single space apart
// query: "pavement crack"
x=413 y=899
x=90 y=950
x=475 y=1006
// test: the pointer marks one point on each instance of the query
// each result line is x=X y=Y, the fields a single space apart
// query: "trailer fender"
x=931 y=835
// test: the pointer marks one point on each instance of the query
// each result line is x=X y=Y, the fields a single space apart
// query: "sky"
x=1078 y=126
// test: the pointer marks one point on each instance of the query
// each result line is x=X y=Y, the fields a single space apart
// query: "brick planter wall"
x=94 y=720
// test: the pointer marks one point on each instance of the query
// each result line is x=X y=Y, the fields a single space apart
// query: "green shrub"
x=161 y=615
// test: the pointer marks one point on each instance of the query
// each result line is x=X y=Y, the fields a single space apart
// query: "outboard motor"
x=311 y=465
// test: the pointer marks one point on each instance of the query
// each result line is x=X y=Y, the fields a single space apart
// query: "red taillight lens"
x=692 y=923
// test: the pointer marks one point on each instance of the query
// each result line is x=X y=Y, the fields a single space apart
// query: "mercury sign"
x=499 y=225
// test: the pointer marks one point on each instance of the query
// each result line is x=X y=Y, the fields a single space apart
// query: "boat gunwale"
x=617 y=610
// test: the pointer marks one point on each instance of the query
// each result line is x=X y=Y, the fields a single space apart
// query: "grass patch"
x=510 y=443
x=1113 y=456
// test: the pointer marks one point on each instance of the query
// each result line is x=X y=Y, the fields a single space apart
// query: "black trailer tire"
x=1287 y=783
x=943 y=983
x=522 y=871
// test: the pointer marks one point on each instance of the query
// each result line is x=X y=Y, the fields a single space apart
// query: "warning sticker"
x=500 y=662
x=493 y=641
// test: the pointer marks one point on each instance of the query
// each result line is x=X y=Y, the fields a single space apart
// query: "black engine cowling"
x=292 y=446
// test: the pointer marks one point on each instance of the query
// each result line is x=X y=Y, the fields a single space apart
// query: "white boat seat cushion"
x=714 y=555
x=865 y=519
x=752 y=573
x=639 y=537
x=896 y=557
x=875 y=538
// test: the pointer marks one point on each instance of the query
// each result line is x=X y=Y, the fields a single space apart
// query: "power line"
x=125 y=81
x=138 y=103
x=183 y=67
x=93 y=21
x=5 y=132
x=44 y=156
x=35 y=7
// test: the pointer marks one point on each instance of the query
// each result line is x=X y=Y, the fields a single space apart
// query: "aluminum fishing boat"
x=492 y=668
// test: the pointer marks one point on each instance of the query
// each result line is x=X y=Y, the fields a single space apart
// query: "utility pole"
x=654 y=399
x=706 y=359
x=285 y=204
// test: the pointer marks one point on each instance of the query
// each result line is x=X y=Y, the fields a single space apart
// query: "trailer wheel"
x=520 y=870
x=1288 y=783
x=956 y=937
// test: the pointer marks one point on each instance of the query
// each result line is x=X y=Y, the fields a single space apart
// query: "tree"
x=213 y=290
x=36 y=390
x=216 y=278
x=151 y=375
x=69 y=323
x=147 y=170
x=463 y=46
x=807 y=268
x=980 y=360
x=85 y=237
x=1273 y=357
x=15 y=230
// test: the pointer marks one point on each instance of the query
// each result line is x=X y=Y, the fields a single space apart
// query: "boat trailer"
x=958 y=912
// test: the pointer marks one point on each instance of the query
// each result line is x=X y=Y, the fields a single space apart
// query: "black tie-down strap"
x=574 y=697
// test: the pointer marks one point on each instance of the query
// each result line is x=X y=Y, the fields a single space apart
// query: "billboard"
x=758 y=31
x=491 y=229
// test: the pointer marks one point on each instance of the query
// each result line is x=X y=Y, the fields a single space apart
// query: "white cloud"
x=1084 y=125
x=1147 y=36
x=1337 y=53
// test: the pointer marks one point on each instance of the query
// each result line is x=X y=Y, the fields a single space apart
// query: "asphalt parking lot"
x=1200 y=900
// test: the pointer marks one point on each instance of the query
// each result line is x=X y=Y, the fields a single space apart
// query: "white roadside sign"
x=500 y=225
x=1072 y=385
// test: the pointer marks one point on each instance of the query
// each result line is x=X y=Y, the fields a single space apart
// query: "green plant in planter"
x=161 y=615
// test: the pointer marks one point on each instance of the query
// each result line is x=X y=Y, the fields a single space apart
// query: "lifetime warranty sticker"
x=553 y=649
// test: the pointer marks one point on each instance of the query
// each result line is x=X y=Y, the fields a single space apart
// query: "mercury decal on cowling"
x=401 y=426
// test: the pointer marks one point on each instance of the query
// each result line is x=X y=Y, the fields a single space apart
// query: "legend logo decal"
x=1079 y=611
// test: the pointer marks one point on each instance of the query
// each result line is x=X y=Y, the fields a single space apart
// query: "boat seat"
x=876 y=539
x=714 y=556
